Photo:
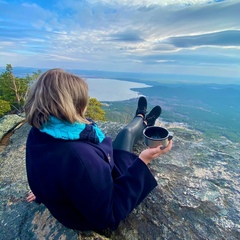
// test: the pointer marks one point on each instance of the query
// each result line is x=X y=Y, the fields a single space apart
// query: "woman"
x=86 y=181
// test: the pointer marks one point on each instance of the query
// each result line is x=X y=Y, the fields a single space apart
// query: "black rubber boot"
x=142 y=106
x=153 y=115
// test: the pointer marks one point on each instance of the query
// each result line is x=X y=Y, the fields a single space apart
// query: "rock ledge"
x=197 y=195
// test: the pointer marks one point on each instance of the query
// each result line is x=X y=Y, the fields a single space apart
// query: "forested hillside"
x=212 y=109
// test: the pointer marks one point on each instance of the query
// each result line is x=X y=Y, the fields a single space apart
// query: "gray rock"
x=8 y=123
x=198 y=193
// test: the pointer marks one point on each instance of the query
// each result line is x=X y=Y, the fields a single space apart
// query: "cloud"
x=156 y=2
x=190 y=59
x=128 y=35
x=230 y=38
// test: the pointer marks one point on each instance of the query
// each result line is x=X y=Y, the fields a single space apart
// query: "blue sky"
x=196 y=37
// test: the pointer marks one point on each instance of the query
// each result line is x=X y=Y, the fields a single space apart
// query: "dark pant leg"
x=127 y=137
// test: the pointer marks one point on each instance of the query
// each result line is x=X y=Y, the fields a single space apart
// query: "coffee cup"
x=156 y=136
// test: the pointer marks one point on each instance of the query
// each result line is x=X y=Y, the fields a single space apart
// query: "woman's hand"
x=149 y=154
x=31 y=197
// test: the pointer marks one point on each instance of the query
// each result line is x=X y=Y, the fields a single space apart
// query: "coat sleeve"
x=105 y=202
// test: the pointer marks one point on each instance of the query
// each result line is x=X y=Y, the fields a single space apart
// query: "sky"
x=192 y=37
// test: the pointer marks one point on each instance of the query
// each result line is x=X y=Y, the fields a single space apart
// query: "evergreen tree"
x=13 y=89
x=4 y=107
x=95 y=111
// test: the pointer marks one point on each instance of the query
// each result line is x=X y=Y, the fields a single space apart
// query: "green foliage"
x=33 y=77
x=13 y=89
x=94 y=110
x=122 y=112
x=4 y=107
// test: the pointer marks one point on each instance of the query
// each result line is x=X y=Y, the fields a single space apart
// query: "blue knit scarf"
x=73 y=131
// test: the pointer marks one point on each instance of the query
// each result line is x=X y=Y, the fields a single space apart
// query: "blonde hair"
x=57 y=93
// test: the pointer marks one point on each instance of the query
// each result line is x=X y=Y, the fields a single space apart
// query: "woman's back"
x=69 y=177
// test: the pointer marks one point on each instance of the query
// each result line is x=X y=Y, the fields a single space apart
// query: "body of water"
x=112 y=89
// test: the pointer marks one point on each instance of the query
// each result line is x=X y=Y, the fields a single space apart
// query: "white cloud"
x=121 y=34
x=153 y=2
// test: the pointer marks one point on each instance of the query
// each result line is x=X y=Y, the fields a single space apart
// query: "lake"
x=112 y=89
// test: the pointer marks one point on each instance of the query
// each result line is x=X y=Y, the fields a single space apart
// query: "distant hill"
x=213 y=109
x=148 y=78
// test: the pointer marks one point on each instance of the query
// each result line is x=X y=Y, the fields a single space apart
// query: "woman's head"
x=57 y=93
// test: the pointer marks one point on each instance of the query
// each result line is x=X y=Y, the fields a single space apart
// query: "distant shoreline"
x=148 y=78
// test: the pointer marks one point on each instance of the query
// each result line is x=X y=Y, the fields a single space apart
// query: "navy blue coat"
x=85 y=186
